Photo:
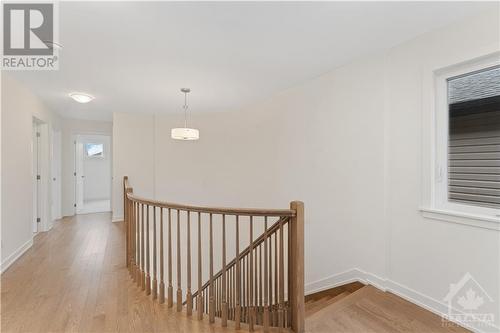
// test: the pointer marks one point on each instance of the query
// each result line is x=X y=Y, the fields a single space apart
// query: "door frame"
x=79 y=174
x=56 y=174
x=79 y=159
x=41 y=187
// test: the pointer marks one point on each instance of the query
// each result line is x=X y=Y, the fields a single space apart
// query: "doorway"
x=56 y=160
x=93 y=173
x=36 y=175
x=41 y=220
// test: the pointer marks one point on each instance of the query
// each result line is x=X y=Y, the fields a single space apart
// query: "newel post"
x=297 y=267
x=125 y=217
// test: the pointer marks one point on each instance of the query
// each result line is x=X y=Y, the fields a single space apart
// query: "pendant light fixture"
x=185 y=133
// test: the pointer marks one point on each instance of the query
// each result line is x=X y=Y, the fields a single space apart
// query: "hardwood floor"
x=369 y=310
x=74 y=279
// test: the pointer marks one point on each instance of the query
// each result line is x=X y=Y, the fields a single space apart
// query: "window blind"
x=474 y=139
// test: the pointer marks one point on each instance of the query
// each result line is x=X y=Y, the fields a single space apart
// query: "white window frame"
x=439 y=206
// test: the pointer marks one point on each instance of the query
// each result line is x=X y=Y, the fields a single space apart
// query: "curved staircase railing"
x=263 y=283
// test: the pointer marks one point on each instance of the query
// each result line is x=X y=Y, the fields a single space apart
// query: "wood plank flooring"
x=74 y=279
x=369 y=310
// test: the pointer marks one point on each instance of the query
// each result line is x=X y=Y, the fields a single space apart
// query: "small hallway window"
x=94 y=150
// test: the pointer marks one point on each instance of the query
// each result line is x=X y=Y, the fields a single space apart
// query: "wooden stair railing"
x=262 y=285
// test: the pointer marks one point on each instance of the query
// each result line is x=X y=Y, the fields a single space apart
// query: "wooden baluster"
x=220 y=296
x=217 y=295
x=126 y=220
x=134 y=231
x=238 y=276
x=138 y=274
x=161 y=299
x=207 y=299
x=155 y=280
x=289 y=274
x=132 y=239
x=244 y=290
x=224 y=271
x=143 y=250
x=296 y=259
x=211 y=305
x=127 y=227
x=189 y=300
x=148 y=254
x=255 y=291
x=230 y=293
x=251 y=320
x=233 y=307
x=199 y=300
x=233 y=292
x=247 y=312
x=260 y=285
x=134 y=257
x=256 y=284
x=130 y=219
x=266 y=280
x=179 y=288
x=276 y=271
x=170 y=289
x=131 y=235
x=281 y=278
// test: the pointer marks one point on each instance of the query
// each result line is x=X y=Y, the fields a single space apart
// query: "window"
x=466 y=173
x=474 y=138
x=94 y=150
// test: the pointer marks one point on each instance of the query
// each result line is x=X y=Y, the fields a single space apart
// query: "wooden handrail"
x=262 y=285
x=214 y=210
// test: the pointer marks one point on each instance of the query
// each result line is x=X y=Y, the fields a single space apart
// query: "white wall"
x=349 y=144
x=133 y=147
x=97 y=171
x=427 y=255
x=19 y=106
x=71 y=128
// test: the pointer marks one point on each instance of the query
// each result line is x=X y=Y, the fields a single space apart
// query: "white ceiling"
x=134 y=56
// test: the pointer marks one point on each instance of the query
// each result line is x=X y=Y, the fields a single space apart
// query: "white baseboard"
x=332 y=281
x=14 y=256
x=117 y=218
x=437 y=307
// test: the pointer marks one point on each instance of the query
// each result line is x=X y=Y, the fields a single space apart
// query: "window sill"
x=480 y=221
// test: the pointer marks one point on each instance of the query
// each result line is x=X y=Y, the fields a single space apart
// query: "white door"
x=56 y=175
x=80 y=177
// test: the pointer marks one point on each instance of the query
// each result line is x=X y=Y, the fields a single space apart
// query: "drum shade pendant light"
x=185 y=133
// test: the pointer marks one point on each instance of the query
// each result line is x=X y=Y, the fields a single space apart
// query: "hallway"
x=74 y=279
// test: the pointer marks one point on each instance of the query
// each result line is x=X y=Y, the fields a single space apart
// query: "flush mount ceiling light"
x=81 y=97
x=185 y=133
